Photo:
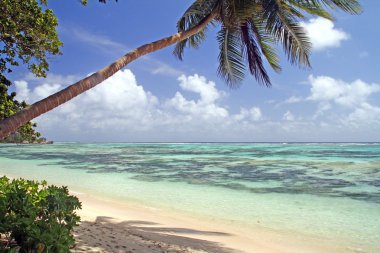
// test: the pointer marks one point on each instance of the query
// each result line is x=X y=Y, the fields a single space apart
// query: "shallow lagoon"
x=330 y=191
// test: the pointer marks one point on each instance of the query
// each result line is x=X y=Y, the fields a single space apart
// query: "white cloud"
x=323 y=34
x=119 y=94
x=322 y=108
x=290 y=100
x=206 y=106
x=39 y=92
x=293 y=99
x=345 y=105
x=45 y=90
x=22 y=90
x=288 y=116
x=365 y=113
x=121 y=108
x=52 y=78
x=197 y=109
x=198 y=84
x=252 y=114
x=328 y=89
x=45 y=86
x=111 y=105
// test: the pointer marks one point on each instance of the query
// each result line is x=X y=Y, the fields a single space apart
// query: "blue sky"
x=158 y=98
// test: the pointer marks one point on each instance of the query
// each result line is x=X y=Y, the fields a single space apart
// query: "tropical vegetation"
x=35 y=217
x=28 y=37
x=9 y=106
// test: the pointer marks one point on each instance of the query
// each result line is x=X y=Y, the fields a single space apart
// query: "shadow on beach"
x=105 y=235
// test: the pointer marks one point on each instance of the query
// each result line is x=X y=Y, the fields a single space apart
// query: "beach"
x=269 y=198
x=109 y=226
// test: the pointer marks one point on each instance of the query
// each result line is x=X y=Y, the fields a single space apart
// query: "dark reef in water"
x=329 y=170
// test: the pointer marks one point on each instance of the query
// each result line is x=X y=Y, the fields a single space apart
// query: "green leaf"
x=231 y=67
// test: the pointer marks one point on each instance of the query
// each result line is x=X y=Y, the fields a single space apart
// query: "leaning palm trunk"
x=12 y=123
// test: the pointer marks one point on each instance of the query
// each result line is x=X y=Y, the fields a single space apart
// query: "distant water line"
x=328 y=190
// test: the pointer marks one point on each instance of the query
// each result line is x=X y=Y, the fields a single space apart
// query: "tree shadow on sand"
x=105 y=235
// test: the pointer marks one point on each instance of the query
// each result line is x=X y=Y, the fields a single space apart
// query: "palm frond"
x=311 y=7
x=291 y=10
x=231 y=67
x=192 y=17
x=253 y=55
x=287 y=31
x=349 y=6
x=179 y=49
x=251 y=30
x=265 y=42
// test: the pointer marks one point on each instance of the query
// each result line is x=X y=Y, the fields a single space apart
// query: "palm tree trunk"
x=12 y=123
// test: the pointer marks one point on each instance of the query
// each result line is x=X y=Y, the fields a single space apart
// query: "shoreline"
x=114 y=225
x=110 y=226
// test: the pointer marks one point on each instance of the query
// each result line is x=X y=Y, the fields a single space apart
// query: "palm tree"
x=249 y=32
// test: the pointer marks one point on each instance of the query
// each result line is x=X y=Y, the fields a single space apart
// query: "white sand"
x=109 y=226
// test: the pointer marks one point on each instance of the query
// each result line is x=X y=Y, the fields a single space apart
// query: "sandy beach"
x=110 y=226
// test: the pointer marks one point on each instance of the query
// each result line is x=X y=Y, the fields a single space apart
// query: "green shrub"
x=35 y=217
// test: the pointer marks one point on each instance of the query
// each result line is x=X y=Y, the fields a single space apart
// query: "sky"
x=160 y=99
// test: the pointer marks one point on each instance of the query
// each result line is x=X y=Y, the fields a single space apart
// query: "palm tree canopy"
x=251 y=29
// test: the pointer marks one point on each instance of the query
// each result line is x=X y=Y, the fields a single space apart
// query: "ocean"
x=329 y=190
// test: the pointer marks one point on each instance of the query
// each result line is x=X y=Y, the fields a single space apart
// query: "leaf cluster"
x=35 y=217
x=27 y=35
x=9 y=106
x=251 y=30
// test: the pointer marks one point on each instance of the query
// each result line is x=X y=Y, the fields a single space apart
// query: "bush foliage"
x=35 y=217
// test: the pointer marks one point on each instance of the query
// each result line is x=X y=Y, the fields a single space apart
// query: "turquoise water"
x=331 y=191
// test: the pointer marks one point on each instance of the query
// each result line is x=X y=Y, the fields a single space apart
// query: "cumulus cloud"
x=52 y=78
x=121 y=107
x=45 y=90
x=323 y=34
x=252 y=114
x=365 y=113
x=44 y=86
x=334 y=110
x=22 y=90
x=112 y=104
x=346 y=104
x=39 y=92
x=327 y=89
x=198 y=84
x=206 y=107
